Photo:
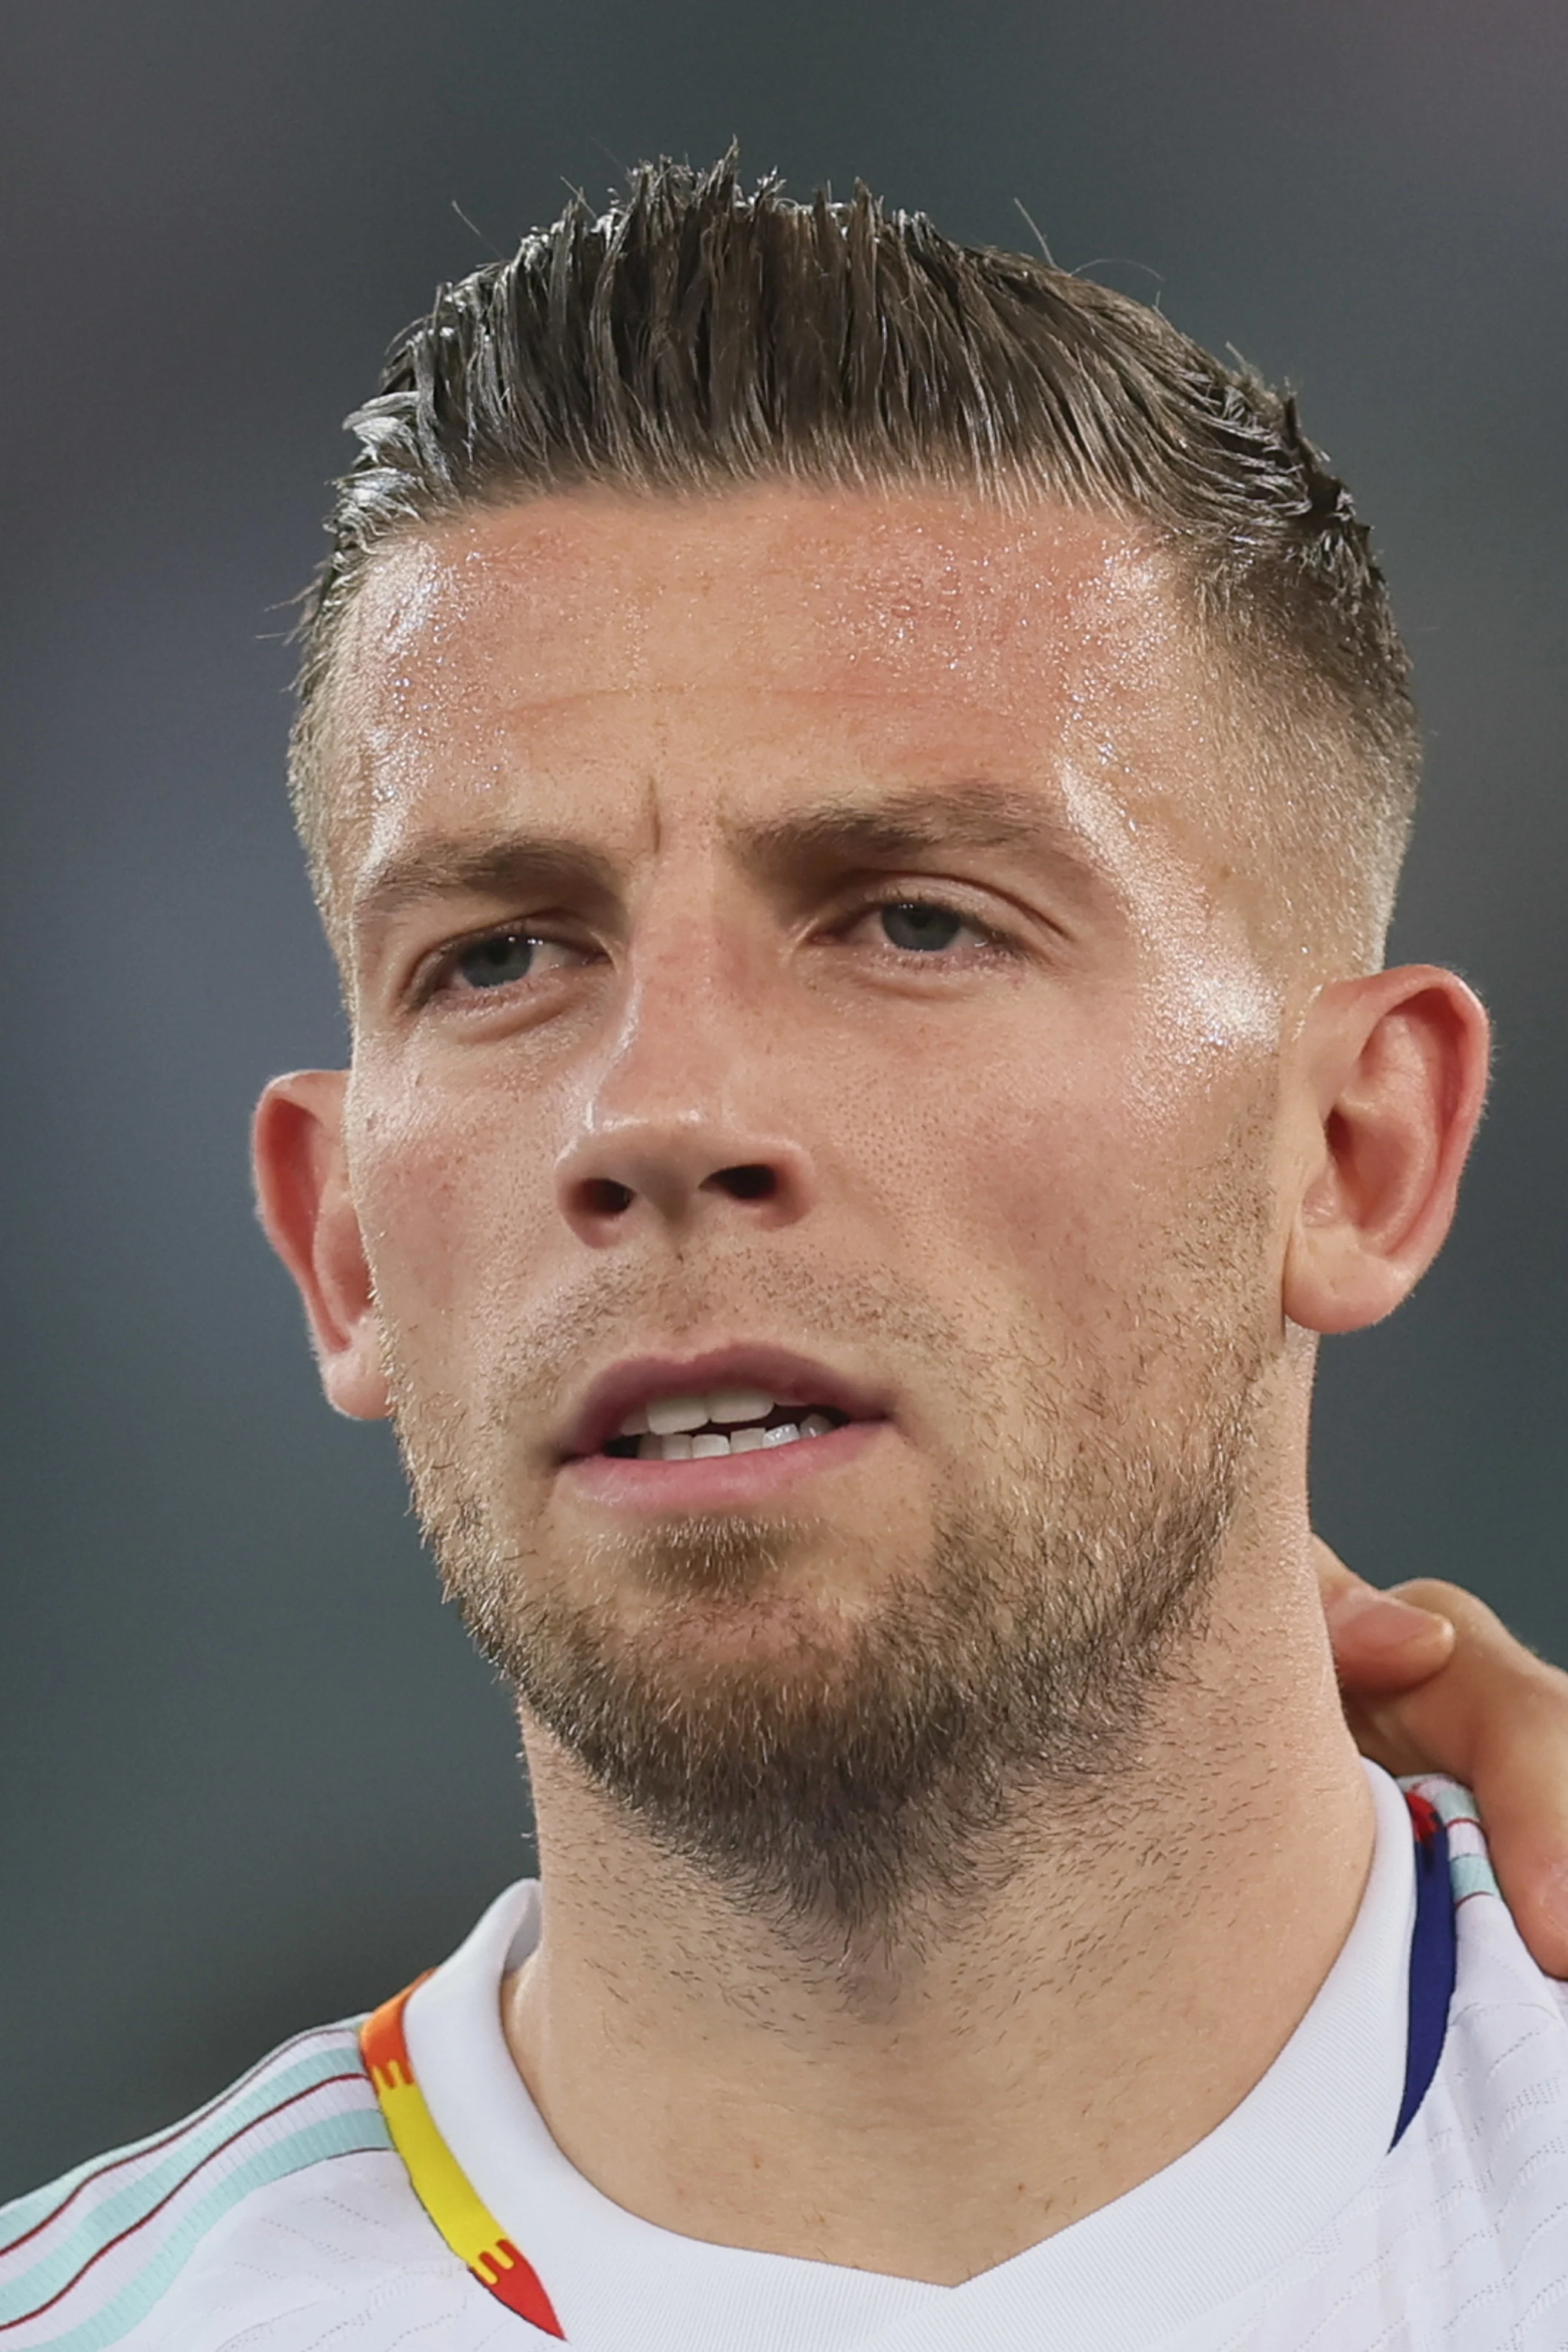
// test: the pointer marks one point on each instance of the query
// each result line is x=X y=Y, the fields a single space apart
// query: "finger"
x=1381 y=1643
x=1496 y=1718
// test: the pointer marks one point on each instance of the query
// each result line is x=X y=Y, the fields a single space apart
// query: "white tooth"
x=676 y=1449
x=708 y=1442
x=785 y=1434
x=634 y=1424
x=650 y=1449
x=815 y=1424
x=666 y=1415
x=746 y=1441
x=738 y=1404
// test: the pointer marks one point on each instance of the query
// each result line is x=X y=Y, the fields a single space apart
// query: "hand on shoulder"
x=1434 y=1681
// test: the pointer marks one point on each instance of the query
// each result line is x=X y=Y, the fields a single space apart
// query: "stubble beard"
x=857 y=1778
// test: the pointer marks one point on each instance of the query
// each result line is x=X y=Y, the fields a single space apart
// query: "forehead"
x=733 y=642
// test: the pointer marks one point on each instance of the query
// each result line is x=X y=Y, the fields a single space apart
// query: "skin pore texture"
x=812 y=923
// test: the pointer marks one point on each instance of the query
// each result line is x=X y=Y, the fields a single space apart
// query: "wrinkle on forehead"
x=795 y=578
x=821 y=591
x=910 y=626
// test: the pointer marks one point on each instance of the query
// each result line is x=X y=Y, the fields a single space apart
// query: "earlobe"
x=1392 y=1076
x=307 y=1212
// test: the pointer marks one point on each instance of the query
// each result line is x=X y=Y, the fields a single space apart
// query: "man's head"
x=696 y=340
x=832 y=842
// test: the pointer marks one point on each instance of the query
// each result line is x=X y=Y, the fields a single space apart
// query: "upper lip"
x=779 y=1371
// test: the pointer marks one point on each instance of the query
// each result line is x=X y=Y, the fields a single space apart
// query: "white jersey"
x=1397 y=2182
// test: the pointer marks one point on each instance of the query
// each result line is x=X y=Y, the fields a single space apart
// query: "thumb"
x=1380 y=1643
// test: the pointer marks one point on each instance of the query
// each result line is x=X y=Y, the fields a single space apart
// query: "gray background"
x=251 y=1777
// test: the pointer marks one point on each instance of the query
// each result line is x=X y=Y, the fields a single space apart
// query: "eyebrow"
x=846 y=831
x=457 y=865
x=970 y=815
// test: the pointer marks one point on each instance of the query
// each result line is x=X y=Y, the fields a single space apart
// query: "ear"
x=1393 y=1075
x=303 y=1197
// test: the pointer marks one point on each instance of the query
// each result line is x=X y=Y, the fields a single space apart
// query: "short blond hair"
x=696 y=336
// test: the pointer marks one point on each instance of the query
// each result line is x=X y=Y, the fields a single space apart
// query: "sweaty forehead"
x=634 y=622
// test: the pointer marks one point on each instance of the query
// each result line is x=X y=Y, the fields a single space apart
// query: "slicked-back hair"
x=696 y=337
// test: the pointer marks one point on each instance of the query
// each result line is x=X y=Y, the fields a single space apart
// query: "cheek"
x=1011 y=1133
x=455 y=1207
x=1061 y=1181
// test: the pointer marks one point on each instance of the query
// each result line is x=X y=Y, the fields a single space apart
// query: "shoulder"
x=1505 y=2065
x=131 y=2247
x=1507 y=2018
x=1494 y=1971
x=1490 y=2153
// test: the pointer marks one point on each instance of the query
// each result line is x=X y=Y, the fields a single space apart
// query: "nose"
x=666 y=1141
x=676 y=1172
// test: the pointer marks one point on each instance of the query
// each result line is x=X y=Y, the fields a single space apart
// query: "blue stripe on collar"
x=1433 y=1953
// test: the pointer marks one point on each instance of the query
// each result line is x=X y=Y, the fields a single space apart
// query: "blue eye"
x=495 y=963
x=926 y=929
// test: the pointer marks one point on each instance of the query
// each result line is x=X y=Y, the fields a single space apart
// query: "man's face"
x=792 y=952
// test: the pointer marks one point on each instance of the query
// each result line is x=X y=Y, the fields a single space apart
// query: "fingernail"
x=1379 y=1619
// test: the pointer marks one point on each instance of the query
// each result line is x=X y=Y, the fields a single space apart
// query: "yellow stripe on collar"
x=439 y=2181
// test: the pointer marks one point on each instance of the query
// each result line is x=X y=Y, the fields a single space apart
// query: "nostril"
x=752 y=1182
x=604 y=1198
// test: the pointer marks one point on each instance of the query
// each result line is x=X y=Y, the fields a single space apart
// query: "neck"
x=1098 y=2010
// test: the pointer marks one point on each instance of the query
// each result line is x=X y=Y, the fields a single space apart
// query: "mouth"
x=757 y=1403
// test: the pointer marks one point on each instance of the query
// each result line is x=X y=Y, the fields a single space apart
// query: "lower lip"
x=717 y=1482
